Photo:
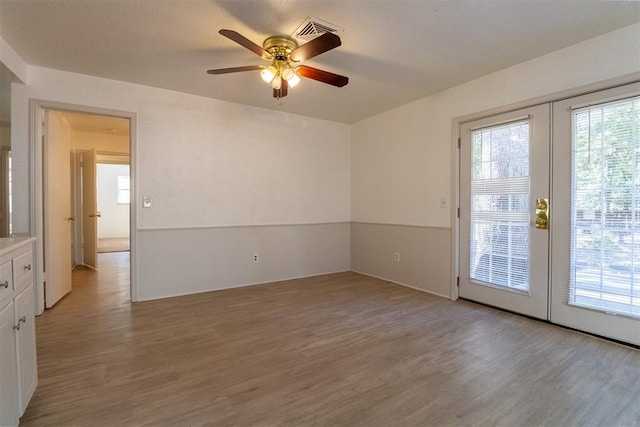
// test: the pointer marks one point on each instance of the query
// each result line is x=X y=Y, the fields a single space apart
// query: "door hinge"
x=458 y=212
x=458 y=281
x=458 y=142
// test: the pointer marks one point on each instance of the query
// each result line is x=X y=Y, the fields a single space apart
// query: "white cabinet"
x=18 y=363
x=6 y=281
x=24 y=307
x=9 y=410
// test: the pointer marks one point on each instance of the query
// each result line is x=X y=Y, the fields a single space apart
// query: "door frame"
x=36 y=108
x=117 y=159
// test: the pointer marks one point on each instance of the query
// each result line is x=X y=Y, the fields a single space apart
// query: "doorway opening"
x=113 y=197
x=73 y=145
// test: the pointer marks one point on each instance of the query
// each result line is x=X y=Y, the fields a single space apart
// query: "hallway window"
x=124 y=193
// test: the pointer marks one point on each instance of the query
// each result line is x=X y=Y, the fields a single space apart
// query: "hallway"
x=69 y=367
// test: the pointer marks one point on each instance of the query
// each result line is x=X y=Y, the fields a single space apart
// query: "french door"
x=565 y=249
x=596 y=217
x=504 y=171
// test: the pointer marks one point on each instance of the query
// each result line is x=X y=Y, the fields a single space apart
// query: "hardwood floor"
x=113 y=244
x=340 y=349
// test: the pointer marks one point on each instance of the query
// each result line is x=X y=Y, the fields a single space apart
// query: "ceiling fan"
x=285 y=56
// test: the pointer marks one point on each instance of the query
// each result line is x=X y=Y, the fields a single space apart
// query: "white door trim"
x=36 y=107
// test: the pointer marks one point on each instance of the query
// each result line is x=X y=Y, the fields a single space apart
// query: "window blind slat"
x=500 y=205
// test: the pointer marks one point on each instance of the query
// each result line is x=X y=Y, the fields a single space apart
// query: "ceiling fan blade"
x=234 y=69
x=322 y=76
x=315 y=47
x=282 y=92
x=243 y=41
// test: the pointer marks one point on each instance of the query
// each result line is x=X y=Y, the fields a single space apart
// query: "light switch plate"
x=146 y=202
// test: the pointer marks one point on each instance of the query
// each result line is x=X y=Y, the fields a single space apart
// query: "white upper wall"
x=206 y=162
x=402 y=159
x=12 y=61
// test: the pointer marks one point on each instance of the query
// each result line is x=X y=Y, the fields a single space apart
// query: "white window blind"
x=500 y=205
x=605 y=207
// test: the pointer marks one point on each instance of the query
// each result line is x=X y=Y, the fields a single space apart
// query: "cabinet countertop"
x=8 y=244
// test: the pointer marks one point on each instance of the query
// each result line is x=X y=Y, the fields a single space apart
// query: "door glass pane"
x=605 y=207
x=499 y=252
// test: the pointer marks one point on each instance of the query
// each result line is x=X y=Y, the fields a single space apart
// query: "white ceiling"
x=393 y=51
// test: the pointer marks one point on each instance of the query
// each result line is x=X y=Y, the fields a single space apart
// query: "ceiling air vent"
x=314 y=27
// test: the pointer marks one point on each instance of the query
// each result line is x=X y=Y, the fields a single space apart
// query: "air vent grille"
x=314 y=27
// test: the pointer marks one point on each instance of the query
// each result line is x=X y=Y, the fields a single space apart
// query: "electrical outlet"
x=396 y=257
x=256 y=257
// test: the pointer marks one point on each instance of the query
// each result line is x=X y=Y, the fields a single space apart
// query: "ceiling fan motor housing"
x=280 y=47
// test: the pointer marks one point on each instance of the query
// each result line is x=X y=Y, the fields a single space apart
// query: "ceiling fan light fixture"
x=288 y=73
x=268 y=74
x=276 y=83
x=294 y=80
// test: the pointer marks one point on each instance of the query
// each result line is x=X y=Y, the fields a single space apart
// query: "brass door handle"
x=71 y=218
x=542 y=214
x=95 y=215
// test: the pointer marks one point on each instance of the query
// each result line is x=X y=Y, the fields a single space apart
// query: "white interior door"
x=504 y=169
x=57 y=207
x=596 y=234
x=90 y=213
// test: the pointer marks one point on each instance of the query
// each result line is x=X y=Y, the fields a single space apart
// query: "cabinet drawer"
x=23 y=270
x=6 y=281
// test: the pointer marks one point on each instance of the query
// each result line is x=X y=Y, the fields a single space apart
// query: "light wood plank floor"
x=341 y=349
x=113 y=244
